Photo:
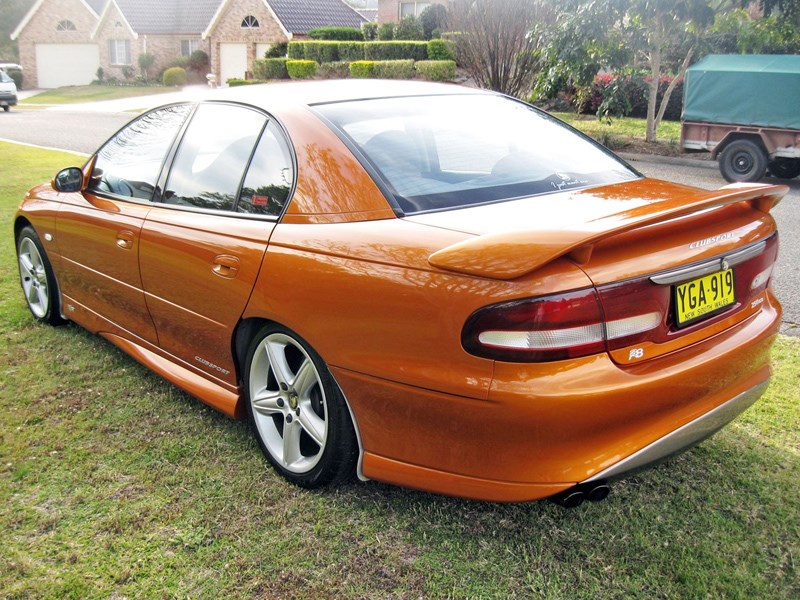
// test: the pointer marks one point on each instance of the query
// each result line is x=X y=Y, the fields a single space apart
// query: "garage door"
x=233 y=61
x=66 y=64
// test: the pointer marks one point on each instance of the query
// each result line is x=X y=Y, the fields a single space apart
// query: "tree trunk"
x=665 y=100
x=655 y=70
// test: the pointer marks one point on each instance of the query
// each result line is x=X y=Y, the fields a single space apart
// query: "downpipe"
x=593 y=491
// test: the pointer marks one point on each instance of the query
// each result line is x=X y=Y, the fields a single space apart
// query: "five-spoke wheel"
x=299 y=416
x=37 y=278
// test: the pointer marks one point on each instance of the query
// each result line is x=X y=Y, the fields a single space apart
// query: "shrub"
x=128 y=72
x=326 y=51
x=198 y=62
x=301 y=69
x=362 y=69
x=146 y=61
x=277 y=50
x=409 y=28
x=236 y=82
x=16 y=75
x=441 y=49
x=626 y=94
x=386 y=31
x=174 y=76
x=334 y=70
x=396 y=50
x=336 y=33
x=436 y=70
x=393 y=69
x=370 y=31
x=295 y=51
x=350 y=51
x=270 y=68
x=432 y=18
x=321 y=51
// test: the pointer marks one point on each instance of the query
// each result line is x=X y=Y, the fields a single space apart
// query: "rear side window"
x=130 y=162
x=269 y=178
x=210 y=163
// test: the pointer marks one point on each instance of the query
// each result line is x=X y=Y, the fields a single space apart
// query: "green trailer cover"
x=757 y=89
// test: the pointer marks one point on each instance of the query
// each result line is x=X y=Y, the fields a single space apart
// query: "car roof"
x=321 y=92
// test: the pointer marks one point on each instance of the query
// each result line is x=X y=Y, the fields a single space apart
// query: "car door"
x=98 y=230
x=202 y=246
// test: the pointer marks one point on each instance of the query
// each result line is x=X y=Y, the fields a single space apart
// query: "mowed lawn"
x=115 y=484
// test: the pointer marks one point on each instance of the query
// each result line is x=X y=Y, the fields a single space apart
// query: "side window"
x=130 y=162
x=212 y=156
x=269 y=178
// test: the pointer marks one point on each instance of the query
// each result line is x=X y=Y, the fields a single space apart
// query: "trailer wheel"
x=743 y=160
x=785 y=168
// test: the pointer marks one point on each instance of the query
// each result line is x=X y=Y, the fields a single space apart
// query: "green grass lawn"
x=113 y=483
x=626 y=133
x=93 y=93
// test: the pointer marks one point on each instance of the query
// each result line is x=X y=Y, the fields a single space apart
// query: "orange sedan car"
x=427 y=285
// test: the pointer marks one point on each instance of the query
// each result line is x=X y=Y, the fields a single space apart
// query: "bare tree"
x=494 y=41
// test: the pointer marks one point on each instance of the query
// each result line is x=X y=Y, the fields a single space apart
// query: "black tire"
x=785 y=168
x=37 y=278
x=297 y=412
x=6 y=108
x=743 y=160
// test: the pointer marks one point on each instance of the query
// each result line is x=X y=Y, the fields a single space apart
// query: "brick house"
x=63 y=42
x=392 y=11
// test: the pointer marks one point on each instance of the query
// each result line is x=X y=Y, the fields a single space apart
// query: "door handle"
x=225 y=265
x=125 y=239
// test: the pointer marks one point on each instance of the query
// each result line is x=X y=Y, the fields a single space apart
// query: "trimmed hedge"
x=393 y=69
x=441 y=49
x=236 y=82
x=362 y=69
x=436 y=70
x=334 y=70
x=174 y=76
x=332 y=51
x=270 y=68
x=396 y=50
x=301 y=69
x=336 y=33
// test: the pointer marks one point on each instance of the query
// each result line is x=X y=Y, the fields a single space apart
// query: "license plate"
x=702 y=296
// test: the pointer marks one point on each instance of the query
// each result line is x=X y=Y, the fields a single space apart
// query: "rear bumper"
x=684 y=437
x=8 y=100
x=547 y=427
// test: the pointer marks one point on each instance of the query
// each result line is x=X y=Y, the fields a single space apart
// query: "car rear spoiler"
x=512 y=254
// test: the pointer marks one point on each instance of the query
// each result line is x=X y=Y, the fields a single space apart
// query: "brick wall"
x=389 y=10
x=113 y=27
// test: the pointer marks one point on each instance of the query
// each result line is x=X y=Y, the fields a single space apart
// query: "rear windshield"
x=443 y=152
x=4 y=78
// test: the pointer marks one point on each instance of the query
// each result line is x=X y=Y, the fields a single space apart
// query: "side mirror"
x=69 y=180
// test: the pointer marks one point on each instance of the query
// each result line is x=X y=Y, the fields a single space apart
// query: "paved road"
x=82 y=130
x=74 y=131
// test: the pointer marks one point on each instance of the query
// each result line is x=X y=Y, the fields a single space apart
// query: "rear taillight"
x=568 y=325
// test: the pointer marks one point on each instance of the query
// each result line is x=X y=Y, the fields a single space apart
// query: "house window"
x=412 y=9
x=119 y=52
x=249 y=22
x=66 y=25
x=189 y=46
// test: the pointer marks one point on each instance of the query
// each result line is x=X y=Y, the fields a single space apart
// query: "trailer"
x=745 y=110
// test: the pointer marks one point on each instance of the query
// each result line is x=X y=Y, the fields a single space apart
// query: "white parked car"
x=8 y=91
